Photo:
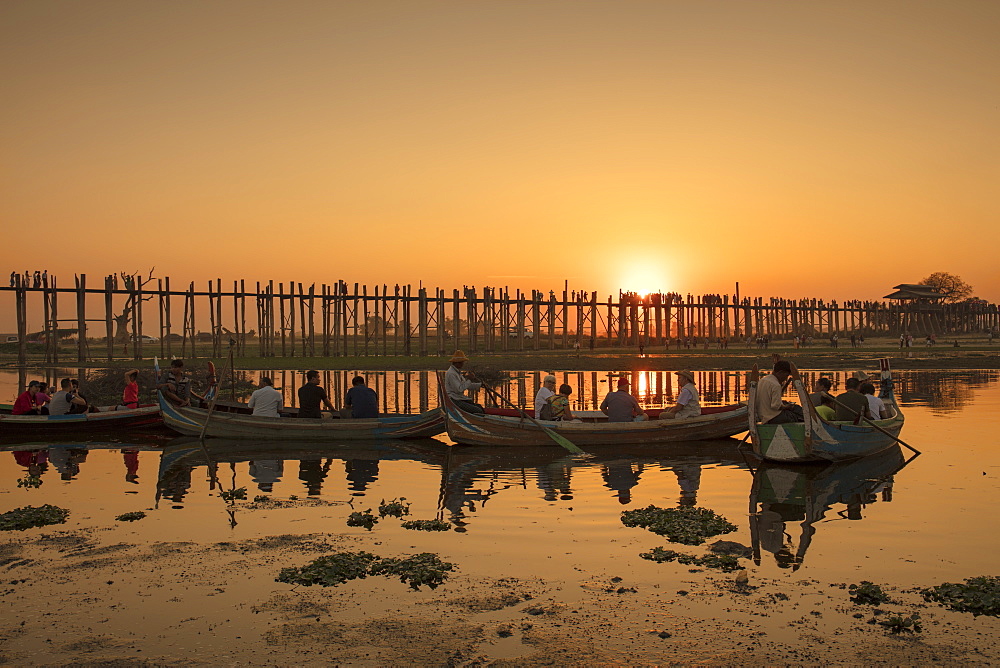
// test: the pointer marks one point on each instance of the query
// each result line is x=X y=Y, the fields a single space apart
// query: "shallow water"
x=544 y=512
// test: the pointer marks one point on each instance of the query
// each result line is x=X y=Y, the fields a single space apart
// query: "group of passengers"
x=36 y=399
x=856 y=402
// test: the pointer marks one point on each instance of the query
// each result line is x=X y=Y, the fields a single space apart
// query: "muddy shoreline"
x=90 y=596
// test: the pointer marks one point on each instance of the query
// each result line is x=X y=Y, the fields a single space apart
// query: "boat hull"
x=105 y=420
x=497 y=430
x=191 y=421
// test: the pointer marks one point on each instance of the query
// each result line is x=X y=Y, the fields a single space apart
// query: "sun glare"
x=644 y=279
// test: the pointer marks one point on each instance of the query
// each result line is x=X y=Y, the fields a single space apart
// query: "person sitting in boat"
x=42 y=398
x=455 y=384
x=361 y=399
x=265 y=401
x=311 y=395
x=687 y=400
x=620 y=406
x=130 y=395
x=79 y=408
x=175 y=386
x=771 y=409
x=545 y=392
x=822 y=400
x=876 y=406
x=559 y=405
x=851 y=405
x=65 y=399
x=25 y=402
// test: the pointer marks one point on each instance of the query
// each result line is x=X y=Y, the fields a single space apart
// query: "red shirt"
x=130 y=397
x=24 y=403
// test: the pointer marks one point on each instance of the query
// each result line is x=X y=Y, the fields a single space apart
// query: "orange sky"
x=825 y=149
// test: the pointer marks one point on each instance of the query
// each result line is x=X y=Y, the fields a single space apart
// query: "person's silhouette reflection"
x=312 y=472
x=621 y=476
x=266 y=472
x=360 y=474
x=131 y=460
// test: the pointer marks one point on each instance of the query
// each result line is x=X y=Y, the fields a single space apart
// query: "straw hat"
x=685 y=374
x=862 y=376
x=459 y=356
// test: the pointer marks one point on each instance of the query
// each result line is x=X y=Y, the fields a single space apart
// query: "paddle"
x=558 y=438
x=872 y=424
x=215 y=395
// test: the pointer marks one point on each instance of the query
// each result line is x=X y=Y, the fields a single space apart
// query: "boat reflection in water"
x=784 y=495
x=470 y=476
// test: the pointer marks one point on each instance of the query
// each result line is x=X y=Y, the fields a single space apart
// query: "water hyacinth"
x=426 y=525
x=689 y=526
x=27 y=517
x=980 y=595
x=722 y=562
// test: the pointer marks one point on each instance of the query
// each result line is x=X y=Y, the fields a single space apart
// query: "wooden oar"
x=215 y=398
x=558 y=438
x=872 y=424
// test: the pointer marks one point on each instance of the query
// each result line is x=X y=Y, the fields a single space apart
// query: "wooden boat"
x=107 y=418
x=509 y=430
x=190 y=421
x=815 y=439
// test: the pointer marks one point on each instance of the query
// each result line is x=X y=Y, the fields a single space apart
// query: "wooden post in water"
x=422 y=320
x=21 y=309
x=108 y=308
x=165 y=289
x=81 y=318
x=137 y=320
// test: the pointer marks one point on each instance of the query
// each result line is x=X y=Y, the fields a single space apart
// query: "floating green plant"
x=395 y=508
x=420 y=569
x=427 y=525
x=689 y=526
x=867 y=593
x=131 y=517
x=334 y=569
x=27 y=517
x=362 y=519
x=234 y=494
x=980 y=595
x=900 y=624
x=29 y=482
x=723 y=562
x=329 y=571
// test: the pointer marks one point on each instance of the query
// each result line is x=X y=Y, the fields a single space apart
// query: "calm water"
x=546 y=512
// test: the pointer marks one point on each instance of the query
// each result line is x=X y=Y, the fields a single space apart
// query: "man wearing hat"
x=455 y=384
x=545 y=392
x=25 y=403
x=266 y=401
x=687 y=400
x=621 y=406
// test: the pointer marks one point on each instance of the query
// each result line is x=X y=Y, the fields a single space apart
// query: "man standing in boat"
x=456 y=384
x=311 y=395
x=771 y=409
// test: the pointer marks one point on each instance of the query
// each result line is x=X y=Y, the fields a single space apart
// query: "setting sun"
x=645 y=278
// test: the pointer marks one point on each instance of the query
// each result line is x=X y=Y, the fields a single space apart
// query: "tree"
x=132 y=282
x=951 y=286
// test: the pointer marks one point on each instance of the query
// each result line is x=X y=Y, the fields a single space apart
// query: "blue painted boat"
x=817 y=440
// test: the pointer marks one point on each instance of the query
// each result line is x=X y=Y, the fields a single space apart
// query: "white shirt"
x=266 y=401
x=543 y=395
x=768 y=397
x=455 y=384
x=875 y=406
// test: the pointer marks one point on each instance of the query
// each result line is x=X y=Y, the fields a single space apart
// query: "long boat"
x=515 y=430
x=191 y=421
x=106 y=418
x=815 y=439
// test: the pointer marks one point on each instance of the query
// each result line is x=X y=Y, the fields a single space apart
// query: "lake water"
x=542 y=510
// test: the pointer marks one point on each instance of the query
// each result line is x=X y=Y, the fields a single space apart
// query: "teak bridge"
x=290 y=319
